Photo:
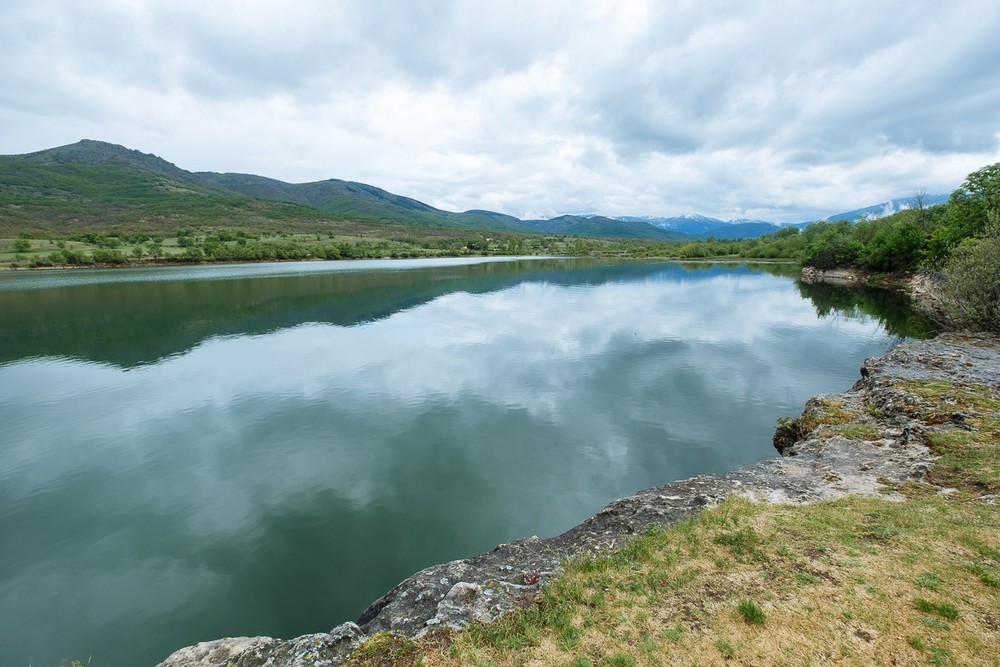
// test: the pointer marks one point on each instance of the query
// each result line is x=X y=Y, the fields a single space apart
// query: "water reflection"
x=892 y=309
x=236 y=457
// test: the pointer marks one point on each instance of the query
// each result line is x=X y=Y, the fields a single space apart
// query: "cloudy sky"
x=764 y=109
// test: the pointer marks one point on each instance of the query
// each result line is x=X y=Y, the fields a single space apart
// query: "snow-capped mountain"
x=702 y=225
x=885 y=208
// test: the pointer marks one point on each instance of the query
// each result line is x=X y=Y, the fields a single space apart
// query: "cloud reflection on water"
x=434 y=432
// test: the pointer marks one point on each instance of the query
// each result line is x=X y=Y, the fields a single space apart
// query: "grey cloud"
x=756 y=82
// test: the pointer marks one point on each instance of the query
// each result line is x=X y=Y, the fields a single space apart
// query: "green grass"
x=944 y=609
x=929 y=580
x=725 y=648
x=384 y=648
x=708 y=564
x=752 y=613
x=968 y=458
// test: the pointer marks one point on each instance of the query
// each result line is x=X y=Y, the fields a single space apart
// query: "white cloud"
x=775 y=110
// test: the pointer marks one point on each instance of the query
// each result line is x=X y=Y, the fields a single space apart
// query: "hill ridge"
x=77 y=185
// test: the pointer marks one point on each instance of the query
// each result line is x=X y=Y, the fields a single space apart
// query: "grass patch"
x=619 y=660
x=725 y=648
x=929 y=580
x=752 y=613
x=830 y=576
x=825 y=412
x=828 y=411
x=964 y=432
x=808 y=578
x=939 y=656
x=385 y=650
x=945 y=609
x=743 y=542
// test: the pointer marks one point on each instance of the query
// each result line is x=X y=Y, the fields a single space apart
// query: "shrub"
x=106 y=256
x=973 y=285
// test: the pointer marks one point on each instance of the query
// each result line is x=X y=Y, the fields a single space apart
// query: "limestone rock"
x=217 y=653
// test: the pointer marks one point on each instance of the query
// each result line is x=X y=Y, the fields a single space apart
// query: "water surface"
x=190 y=453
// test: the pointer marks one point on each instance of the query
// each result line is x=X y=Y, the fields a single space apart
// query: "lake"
x=188 y=453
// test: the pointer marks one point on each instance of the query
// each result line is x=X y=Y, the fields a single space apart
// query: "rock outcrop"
x=863 y=441
x=811 y=274
x=927 y=291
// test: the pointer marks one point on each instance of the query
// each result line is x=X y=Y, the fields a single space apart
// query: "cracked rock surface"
x=862 y=442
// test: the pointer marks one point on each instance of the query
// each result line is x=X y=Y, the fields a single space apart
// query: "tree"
x=919 y=200
x=983 y=186
x=21 y=245
x=967 y=213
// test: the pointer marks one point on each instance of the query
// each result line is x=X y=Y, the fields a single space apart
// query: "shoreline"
x=161 y=264
x=861 y=442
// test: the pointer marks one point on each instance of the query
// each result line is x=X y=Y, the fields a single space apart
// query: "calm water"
x=190 y=453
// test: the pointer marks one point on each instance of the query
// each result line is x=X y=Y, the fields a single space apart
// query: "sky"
x=765 y=109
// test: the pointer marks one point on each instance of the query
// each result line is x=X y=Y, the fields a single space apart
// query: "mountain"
x=603 y=227
x=93 y=180
x=100 y=153
x=351 y=199
x=704 y=226
x=888 y=207
x=502 y=217
x=93 y=185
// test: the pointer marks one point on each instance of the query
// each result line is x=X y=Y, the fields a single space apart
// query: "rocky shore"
x=865 y=441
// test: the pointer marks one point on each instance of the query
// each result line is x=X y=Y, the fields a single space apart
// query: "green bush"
x=973 y=280
x=108 y=256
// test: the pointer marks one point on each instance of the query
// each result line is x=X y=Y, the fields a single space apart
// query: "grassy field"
x=857 y=581
x=227 y=245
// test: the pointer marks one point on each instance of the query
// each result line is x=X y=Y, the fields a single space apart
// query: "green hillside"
x=95 y=203
x=347 y=199
x=46 y=193
x=93 y=186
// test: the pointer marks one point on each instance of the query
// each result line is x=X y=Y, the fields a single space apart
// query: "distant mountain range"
x=91 y=184
x=889 y=207
x=704 y=226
